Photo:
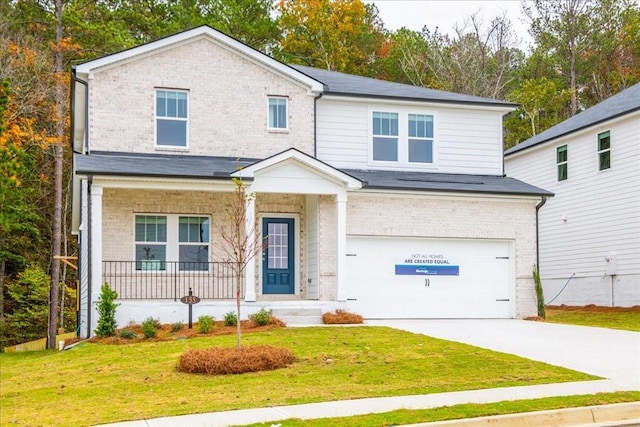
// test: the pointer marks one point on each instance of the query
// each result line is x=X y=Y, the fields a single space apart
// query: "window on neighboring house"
x=277 y=113
x=604 y=150
x=193 y=237
x=171 y=118
x=151 y=242
x=420 y=138
x=385 y=136
x=162 y=238
x=561 y=161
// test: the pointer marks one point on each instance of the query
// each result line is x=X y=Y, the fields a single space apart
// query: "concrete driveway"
x=608 y=353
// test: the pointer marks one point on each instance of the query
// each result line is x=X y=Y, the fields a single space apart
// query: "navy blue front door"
x=278 y=256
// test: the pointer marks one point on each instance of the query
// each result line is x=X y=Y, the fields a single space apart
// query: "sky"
x=444 y=14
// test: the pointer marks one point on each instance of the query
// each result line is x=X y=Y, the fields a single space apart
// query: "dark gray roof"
x=421 y=181
x=202 y=167
x=346 y=84
x=160 y=165
x=622 y=103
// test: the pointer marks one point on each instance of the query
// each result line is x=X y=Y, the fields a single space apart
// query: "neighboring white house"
x=381 y=198
x=589 y=233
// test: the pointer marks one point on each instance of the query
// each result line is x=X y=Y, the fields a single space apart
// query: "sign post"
x=190 y=300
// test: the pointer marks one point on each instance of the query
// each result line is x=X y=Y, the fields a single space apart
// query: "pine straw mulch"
x=595 y=308
x=341 y=317
x=225 y=360
x=165 y=333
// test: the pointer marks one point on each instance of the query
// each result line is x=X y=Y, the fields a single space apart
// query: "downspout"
x=315 y=125
x=538 y=207
x=90 y=255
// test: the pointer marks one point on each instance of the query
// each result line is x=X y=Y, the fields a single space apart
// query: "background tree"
x=336 y=35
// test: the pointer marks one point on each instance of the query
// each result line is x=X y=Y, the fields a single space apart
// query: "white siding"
x=594 y=214
x=466 y=141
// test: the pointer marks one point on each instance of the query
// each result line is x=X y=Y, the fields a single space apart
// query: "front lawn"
x=627 y=318
x=99 y=383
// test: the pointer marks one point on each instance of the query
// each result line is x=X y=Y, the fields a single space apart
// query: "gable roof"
x=622 y=103
x=203 y=31
x=336 y=83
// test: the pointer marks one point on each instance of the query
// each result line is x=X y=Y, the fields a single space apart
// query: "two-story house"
x=589 y=240
x=380 y=198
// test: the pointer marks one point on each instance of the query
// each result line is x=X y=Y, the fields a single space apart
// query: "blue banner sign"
x=427 y=270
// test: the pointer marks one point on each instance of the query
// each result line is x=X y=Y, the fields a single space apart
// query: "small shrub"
x=150 y=327
x=223 y=361
x=107 y=312
x=341 y=317
x=177 y=326
x=205 y=324
x=231 y=319
x=261 y=318
x=128 y=334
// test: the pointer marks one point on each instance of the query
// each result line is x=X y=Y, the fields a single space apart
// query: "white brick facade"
x=226 y=117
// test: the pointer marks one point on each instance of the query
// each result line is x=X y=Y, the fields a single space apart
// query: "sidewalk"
x=614 y=355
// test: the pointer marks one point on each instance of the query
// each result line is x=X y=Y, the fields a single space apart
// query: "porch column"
x=95 y=242
x=251 y=229
x=341 y=246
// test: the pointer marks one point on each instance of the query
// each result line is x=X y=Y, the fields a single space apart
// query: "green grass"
x=627 y=319
x=97 y=383
x=456 y=412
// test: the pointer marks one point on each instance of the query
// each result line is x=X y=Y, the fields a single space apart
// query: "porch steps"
x=298 y=316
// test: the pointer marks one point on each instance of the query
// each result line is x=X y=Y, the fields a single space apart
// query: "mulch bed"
x=594 y=308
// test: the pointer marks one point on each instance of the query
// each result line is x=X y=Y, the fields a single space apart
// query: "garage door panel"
x=429 y=278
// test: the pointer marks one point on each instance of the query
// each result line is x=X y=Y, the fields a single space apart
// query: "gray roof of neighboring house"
x=620 y=104
x=346 y=84
x=202 y=167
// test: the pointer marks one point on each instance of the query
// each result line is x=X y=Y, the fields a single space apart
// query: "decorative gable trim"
x=305 y=161
x=86 y=68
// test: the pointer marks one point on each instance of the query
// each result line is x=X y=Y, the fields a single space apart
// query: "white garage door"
x=392 y=277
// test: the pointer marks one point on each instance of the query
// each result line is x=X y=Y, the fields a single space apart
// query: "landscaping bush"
x=341 y=317
x=261 y=318
x=223 y=361
x=150 y=327
x=205 y=324
x=127 y=334
x=107 y=312
x=231 y=319
x=177 y=326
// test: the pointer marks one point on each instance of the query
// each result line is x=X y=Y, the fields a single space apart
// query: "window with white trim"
x=402 y=138
x=604 y=150
x=172 y=116
x=385 y=136
x=163 y=238
x=277 y=113
x=562 y=162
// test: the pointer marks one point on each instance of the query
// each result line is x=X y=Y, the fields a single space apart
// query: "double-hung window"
x=562 y=162
x=277 y=113
x=160 y=239
x=193 y=243
x=151 y=242
x=385 y=136
x=420 y=138
x=604 y=150
x=172 y=114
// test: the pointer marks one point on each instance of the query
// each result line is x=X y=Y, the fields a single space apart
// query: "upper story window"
x=278 y=113
x=172 y=114
x=561 y=161
x=402 y=137
x=385 y=136
x=420 y=138
x=604 y=150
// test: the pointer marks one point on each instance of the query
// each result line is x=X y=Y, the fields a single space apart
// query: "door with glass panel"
x=278 y=266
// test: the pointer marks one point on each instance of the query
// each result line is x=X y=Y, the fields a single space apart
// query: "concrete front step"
x=299 y=316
